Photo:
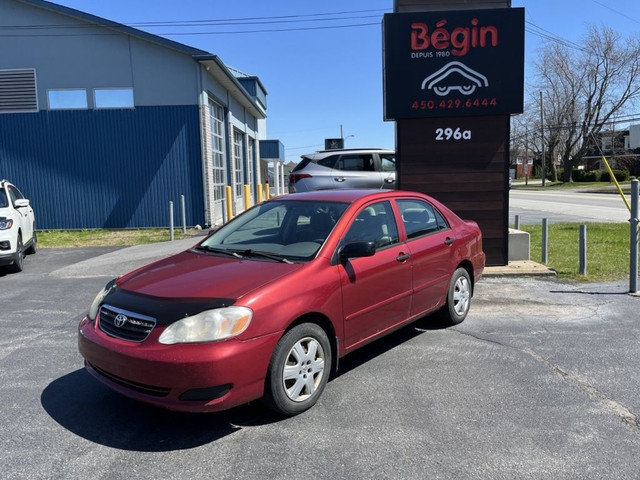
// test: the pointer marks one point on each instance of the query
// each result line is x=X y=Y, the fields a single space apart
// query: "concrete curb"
x=520 y=268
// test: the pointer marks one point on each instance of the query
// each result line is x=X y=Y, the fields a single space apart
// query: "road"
x=539 y=382
x=534 y=205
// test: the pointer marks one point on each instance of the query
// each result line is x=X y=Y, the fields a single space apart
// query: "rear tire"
x=458 y=298
x=299 y=370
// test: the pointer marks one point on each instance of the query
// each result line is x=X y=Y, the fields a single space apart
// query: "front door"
x=376 y=291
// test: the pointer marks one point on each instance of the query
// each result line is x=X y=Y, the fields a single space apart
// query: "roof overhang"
x=218 y=70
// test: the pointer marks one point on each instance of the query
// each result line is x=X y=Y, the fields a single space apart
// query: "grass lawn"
x=592 y=187
x=107 y=238
x=607 y=250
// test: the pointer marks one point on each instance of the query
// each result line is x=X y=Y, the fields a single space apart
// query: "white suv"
x=345 y=168
x=17 y=227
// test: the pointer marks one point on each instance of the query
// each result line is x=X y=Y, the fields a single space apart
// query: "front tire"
x=458 y=298
x=299 y=370
x=18 y=257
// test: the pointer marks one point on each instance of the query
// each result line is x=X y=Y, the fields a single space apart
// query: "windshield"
x=4 y=203
x=288 y=229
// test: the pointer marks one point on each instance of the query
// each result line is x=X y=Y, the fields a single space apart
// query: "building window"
x=238 y=162
x=113 y=97
x=67 y=99
x=216 y=120
x=18 y=91
x=250 y=164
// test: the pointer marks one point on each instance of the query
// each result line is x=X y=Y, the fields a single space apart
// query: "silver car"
x=347 y=168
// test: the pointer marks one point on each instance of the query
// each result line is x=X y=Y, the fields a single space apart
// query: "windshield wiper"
x=224 y=251
x=272 y=256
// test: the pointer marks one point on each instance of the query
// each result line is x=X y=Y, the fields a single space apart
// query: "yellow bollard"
x=267 y=193
x=228 y=199
x=259 y=192
x=247 y=196
x=615 y=181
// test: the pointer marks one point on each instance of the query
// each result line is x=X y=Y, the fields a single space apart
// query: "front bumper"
x=7 y=247
x=200 y=377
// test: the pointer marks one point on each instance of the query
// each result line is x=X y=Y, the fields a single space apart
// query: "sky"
x=321 y=62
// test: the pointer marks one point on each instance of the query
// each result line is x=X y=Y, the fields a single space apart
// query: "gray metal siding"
x=105 y=168
x=70 y=53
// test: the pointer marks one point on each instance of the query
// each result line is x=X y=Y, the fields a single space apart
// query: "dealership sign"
x=453 y=63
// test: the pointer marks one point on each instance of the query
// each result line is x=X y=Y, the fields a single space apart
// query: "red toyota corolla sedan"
x=264 y=306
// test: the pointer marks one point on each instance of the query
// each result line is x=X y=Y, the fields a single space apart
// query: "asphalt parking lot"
x=540 y=382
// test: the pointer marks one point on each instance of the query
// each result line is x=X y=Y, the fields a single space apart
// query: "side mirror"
x=22 y=202
x=357 y=250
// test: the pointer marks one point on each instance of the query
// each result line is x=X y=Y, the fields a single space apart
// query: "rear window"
x=303 y=163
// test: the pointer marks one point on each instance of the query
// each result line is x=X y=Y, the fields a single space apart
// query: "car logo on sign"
x=120 y=320
x=463 y=79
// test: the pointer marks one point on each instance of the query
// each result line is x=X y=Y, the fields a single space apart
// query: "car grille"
x=125 y=325
x=151 y=390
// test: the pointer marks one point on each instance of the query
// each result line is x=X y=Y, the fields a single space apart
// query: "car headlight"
x=208 y=326
x=95 y=305
x=6 y=223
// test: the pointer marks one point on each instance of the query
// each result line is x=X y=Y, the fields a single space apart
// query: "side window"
x=374 y=223
x=420 y=218
x=388 y=163
x=356 y=163
x=328 y=162
x=442 y=223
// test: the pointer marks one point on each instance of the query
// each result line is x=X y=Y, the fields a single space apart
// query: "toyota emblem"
x=120 y=320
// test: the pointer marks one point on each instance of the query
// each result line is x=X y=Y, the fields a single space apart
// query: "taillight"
x=294 y=177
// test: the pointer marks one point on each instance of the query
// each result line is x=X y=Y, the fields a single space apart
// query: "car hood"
x=196 y=275
x=6 y=212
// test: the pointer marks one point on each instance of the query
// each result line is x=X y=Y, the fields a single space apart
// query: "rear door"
x=376 y=290
x=356 y=170
x=430 y=242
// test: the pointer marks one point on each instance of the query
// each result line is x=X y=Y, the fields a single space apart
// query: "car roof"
x=347 y=195
x=338 y=151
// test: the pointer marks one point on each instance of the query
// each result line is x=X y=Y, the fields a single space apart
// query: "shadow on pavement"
x=92 y=411
x=389 y=342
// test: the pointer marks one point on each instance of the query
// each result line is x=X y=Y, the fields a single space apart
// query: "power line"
x=227 y=22
x=547 y=35
x=616 y=11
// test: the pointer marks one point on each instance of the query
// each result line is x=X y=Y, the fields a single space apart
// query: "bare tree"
x=585 y=88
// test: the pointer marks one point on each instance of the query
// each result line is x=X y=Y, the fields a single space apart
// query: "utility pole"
x=544 y=161
x=526 y=156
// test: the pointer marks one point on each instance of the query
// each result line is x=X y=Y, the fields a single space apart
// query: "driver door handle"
x=339 y=179
x=448 y=241
x=402 y=257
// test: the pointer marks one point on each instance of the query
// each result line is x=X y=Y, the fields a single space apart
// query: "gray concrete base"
x=519 y=245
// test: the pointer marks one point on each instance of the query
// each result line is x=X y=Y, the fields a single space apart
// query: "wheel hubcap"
x=303 y=369
x=461 y=296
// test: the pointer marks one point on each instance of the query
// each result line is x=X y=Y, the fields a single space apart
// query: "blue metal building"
x=101 y=125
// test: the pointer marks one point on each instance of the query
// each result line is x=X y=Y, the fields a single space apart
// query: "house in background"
x=620 y=147
x=101 y=125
